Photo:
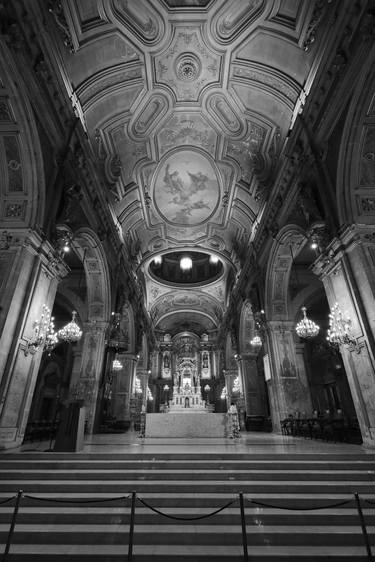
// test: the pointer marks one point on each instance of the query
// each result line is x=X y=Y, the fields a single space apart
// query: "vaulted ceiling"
x=187 y=105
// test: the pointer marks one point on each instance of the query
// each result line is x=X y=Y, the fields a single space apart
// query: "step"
x=61 y=552
x=183 y=486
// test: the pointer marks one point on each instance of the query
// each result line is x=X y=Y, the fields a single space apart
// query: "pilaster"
x=347 y=270
x=29 y=277
x=288 y=386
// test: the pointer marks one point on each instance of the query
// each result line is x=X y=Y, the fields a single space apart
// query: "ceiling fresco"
x=186 y=188
x=188 y=104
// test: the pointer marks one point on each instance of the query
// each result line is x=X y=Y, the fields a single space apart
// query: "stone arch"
x=355 y=167
x=90 y=250
x=22 y=196
x=88 y=367
x=286 y=247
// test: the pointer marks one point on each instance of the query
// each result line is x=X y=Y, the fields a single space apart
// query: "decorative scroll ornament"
x=306 y=328
x=71 y=332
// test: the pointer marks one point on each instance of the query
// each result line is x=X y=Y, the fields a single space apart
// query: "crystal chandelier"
x=340 y=325
x=71 y=332
x=44 y=333
x=116 y=364
x=51 y=337
x=256 y=342
x=306 y=328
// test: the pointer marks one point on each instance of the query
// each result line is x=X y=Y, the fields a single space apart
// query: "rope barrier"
x=339 y=504
x=185 y=518
x=102 y=500
x=369 y=501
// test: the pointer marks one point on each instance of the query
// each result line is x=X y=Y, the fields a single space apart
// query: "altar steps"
x=186 y=486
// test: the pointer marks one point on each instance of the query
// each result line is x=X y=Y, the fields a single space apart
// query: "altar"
x=186 y=399
x=184 y=424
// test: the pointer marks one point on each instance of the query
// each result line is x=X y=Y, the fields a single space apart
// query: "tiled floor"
x=249 y=442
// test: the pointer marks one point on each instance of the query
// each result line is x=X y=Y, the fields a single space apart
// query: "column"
x=289 y=388
x=122 y=387
x=347 y=271
x=30 y=273
x=143 y=377
x=252 y=389
x=93 y=346
x=229 y=375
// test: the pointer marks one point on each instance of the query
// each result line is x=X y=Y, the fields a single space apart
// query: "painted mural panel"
x=186 y=188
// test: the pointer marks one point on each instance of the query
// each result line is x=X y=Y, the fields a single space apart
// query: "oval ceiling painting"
x=186 y=188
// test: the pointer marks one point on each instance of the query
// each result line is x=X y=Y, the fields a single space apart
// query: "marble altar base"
x=186 y=425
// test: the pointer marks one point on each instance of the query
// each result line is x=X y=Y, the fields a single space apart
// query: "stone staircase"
x=183 y=485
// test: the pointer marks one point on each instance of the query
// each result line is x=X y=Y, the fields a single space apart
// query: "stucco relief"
x=228 y=119
x=154 y=109
x=105 y=81
x=246 y=151
x=186 y=188
x=187 y=66
x=13 y=163
x=235 y=16
x=129 y=152
x=5 y=110
x=248 y=73
x=140 y=17
x=187 y=129
x=367 y=167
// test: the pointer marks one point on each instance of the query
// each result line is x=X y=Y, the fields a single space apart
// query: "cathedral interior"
x=187 y=193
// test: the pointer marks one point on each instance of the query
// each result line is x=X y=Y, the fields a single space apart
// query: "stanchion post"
x=243 y=525
x=12 y=524
x=131 y=528
x=363 y=525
